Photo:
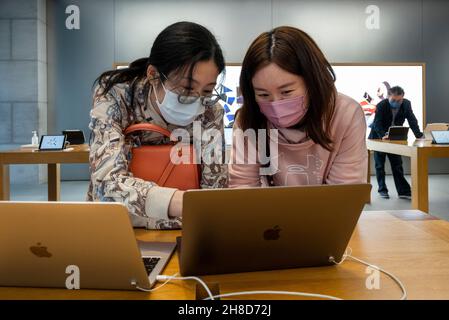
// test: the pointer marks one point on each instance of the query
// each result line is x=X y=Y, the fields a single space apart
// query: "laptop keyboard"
x=150 y=263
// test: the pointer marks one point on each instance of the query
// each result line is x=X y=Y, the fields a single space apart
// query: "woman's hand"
x=175 y=206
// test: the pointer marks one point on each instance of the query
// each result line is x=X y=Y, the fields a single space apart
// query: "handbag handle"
x=147 y=127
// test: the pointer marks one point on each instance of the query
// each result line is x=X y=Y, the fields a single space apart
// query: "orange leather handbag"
x=153 y=162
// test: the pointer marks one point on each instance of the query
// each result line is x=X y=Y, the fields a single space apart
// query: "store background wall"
x=123 y=30
x=23 y=80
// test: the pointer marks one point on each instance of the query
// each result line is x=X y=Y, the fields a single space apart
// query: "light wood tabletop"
x=410 y=244
x=419 y=151
x=53 y=159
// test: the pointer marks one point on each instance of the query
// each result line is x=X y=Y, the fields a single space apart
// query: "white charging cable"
x=291 y=293
x=348 y=254
x=168 y=278
x=155 y=288
x=287 y=293
x=212 y=297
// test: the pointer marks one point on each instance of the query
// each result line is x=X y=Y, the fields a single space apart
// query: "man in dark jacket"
x=392 y=111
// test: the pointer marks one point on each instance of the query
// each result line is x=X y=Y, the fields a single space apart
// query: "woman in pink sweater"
x=316 y=135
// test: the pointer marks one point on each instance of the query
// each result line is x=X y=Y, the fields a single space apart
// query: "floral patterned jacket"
x=110 y=153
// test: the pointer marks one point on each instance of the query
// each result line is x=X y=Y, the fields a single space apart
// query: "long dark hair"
x=176 y=49
x=296 y=52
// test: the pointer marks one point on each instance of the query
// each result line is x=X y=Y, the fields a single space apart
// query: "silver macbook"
x=434 y=127
x=56 y=244
x=250 y=229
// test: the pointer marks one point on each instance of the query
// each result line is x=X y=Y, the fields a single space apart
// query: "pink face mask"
x=284 y=113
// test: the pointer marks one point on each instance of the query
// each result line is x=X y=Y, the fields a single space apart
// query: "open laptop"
x=250 y=229
x=39 y=241
x=398 y=133
x=434 y=127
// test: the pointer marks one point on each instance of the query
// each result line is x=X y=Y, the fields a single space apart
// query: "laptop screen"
x=441 y=136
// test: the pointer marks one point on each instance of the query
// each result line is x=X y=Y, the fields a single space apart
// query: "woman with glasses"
x=172 y=88
x=288 y=86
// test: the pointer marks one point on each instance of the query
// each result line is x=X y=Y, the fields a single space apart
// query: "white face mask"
x=178 y=113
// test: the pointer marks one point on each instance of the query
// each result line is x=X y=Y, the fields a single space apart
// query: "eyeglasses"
x=188 y=97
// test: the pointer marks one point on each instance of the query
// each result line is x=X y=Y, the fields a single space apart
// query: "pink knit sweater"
x=303 y=162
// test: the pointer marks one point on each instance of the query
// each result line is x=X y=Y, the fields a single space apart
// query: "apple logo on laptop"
x=40 y=251
x=272 y=234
